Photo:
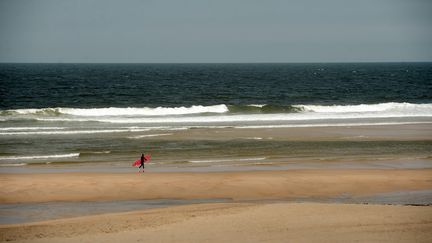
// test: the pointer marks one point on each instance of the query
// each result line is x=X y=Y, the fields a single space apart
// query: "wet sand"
x=256 y=220
x=238 y=222
x=254 y=185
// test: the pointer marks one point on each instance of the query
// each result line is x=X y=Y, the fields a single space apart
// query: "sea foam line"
x=71 y=155
x=150 y=135
x=77 y=132
x=74 y=132
x=29 y=128
x=380 y=107
x=226 y=160
x=128 y=111
x=243 y=118
x=331 y=125
x=98 y=152
x=13 y=165
x=399 y=107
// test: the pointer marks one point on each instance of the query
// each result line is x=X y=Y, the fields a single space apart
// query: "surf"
x=35 y=157
x=221 y=114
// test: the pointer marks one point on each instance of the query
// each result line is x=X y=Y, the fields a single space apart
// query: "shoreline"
x=225 y=146
x=257 y=165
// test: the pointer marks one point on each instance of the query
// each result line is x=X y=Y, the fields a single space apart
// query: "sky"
x=194 y=31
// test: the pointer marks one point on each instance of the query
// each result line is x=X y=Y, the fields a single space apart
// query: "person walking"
x=142 y=163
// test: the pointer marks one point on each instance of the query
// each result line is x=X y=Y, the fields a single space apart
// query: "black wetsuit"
x=142 y=162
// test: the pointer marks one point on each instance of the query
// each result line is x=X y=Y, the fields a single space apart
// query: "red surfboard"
x=137 y=162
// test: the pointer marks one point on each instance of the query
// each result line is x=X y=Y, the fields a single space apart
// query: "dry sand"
x=232 y=222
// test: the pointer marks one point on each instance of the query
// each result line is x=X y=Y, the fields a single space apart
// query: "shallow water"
x=217 y=167
x=32 y=212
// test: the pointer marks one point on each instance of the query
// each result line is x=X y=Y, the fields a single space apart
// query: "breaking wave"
x=71 y=155
x=207 y=114
x=114 y=111
x=74 y=132
x=222 y=108
x=382 y=107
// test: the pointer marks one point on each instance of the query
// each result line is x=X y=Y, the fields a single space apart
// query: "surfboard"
x=137 y=162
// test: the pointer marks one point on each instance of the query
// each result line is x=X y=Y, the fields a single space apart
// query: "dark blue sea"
x=26 y=86
x=72 y=114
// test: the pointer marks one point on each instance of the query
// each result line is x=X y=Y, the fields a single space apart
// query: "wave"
x=71 y=155
x=247 y=118
x=210 y=114
x=93 y=153
x=29 y=128
x=187 y=127
x=268 y=108
x=221 y=108
x=331 y=125
x=13 y=165
x=150 y=135
x=96 y=152
x=158 y=111
x=382 y=107
x=114 y=111
x=74 y=132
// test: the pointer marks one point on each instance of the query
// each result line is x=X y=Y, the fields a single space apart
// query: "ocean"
x=106 y=115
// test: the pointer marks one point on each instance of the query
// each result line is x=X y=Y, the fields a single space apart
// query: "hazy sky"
x=215 y=31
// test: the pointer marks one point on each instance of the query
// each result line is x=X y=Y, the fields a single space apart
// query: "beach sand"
x=245 y=185
x=251 y=217
x=239 y=222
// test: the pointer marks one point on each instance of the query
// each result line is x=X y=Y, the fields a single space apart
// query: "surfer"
x=142 y=162
x=144 y=159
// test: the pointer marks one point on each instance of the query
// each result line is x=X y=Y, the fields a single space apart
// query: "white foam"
x=163 y=128
x=226 y=160
x=254 y=126
x=129 y=111
x=257 y=118
x=150 y=135
x=13 y=165
x=100 y=152
x=29 y=128
x=220 y=114
x=381 y=107
x=331 y=125
x=74 y=132
x=71 y=155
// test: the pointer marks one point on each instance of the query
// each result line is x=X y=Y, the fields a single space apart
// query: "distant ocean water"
x=73 y=113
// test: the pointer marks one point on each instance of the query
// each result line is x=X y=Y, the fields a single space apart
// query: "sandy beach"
x=246 y=185
x=252 y=216
x=239 y=222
